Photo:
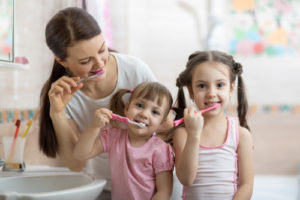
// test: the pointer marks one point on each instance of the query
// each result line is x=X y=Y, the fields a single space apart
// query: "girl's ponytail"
x=180 y=103
x=117 y=104
x=242 y=108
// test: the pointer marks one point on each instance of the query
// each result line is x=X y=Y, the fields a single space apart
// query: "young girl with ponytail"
x=213 y=152
x=141 y=163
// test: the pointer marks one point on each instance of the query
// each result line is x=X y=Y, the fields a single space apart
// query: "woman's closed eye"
x=85 y=62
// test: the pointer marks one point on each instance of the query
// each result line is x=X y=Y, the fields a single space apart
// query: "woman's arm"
x=67 y=136
x=164 y=185
x=245 y=166
x=66 y=131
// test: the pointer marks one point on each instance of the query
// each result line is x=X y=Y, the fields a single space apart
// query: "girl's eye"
x=220 y=85
x=139 y=105
x=156 y=112
x=201 y=85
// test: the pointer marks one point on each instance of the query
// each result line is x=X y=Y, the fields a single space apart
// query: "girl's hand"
x=61 y=92
x=193 y=121
x=102 y=117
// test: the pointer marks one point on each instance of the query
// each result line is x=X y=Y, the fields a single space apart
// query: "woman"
x=67 y=107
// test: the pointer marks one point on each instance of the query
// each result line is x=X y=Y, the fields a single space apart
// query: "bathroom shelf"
x=13 y=66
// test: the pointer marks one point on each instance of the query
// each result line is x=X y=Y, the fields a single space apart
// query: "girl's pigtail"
x=180 y=103
x=242 y=103
x=242 y=108
x=117 y=104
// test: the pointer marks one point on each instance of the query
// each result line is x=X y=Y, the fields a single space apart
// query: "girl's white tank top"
x=216 y=177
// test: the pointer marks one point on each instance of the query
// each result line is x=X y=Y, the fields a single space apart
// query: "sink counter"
x=43 y=182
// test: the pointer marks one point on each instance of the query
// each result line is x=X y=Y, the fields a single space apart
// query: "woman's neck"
x=101 y=89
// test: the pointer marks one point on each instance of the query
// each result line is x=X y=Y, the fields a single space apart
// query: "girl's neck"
x=214 y=120
x=137 y=141
x=214 y=131
x=101 y=89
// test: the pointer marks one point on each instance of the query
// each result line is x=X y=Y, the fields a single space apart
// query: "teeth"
x=210 y=104
x=141 y=122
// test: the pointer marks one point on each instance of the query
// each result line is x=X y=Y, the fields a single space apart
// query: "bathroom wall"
x=163 y=34
x=20 y=89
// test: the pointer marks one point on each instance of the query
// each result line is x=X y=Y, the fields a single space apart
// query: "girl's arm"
x=186 y=143
x=89 y=143
x=164 y=185
x=245 y=165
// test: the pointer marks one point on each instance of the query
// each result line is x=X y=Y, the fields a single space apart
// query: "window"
x=7 y=30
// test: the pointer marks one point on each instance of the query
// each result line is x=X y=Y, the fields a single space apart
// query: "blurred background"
x=264 y=36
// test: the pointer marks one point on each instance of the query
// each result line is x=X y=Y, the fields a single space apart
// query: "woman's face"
x=86 y=57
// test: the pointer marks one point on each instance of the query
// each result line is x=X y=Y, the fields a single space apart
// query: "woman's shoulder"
x=125 y=60
x=133 y=69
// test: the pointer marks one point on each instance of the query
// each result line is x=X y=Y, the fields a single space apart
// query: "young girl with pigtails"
x=141 y=163
x=213 y=152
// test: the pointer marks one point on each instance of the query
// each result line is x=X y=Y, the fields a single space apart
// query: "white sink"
x=49 y=183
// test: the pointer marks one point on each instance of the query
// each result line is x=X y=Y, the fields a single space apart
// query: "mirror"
x=7 y=30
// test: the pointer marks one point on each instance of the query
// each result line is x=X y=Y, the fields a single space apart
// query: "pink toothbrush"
x=179 y=121
x=127 y=121
x=96 y=73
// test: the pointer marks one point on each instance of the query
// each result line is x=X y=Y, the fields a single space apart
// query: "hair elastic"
x=131 y=91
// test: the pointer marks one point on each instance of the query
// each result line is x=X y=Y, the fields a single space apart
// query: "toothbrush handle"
x=179 y=121
x=87 y=78
x=120 y=118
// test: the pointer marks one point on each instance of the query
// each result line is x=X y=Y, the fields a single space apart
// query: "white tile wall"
x=21 y=89
x=161 y=33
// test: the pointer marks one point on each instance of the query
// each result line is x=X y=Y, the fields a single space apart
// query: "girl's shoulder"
x=245 y=136
x=179 y=136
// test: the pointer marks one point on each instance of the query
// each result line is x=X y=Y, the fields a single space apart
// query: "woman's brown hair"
x=64 y=29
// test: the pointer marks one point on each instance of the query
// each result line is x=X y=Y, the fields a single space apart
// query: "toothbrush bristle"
x=140 y=125
x=18 y=123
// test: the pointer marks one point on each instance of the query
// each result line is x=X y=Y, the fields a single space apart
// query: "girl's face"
x=147 y=112
x=86 y=57
x=211 y=85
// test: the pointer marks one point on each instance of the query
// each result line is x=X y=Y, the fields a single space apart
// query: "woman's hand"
x=61 y=92
x=102 y=117
x=193 y=121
